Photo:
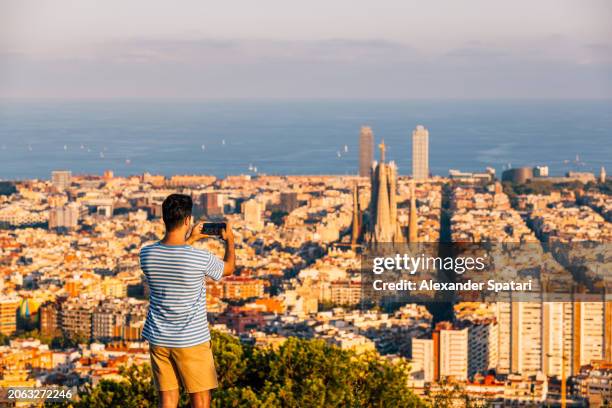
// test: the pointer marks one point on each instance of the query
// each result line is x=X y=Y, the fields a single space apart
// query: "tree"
x=278 y=217
x=35 y=334
x=300 y=373
x=450 y=395
x=135 y=391
x=230 y=359
x=64 y=342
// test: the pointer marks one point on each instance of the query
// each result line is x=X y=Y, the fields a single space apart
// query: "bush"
x=301 y=373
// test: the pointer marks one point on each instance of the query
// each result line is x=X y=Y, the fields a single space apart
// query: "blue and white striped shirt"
x=177 y=293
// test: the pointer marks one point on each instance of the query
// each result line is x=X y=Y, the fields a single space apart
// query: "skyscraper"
x=420 y=153
x=557 y=333
x=366 y=151
x=526 y=337
x=588 y=333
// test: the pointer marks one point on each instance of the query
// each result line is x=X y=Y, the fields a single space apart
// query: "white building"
x=420 y=153
x=453 y=354
x=252 y=211
x=423 y=359
x=65 y=217
x=483 y=342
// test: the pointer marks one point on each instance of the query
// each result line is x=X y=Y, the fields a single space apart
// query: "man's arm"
x=196 y=233
x=229 y=260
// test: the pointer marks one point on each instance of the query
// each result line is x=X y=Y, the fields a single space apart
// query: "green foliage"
x=64 y=342
x=451 y=396
x=230 y=359
x=278 y=217
x=310 y=373
x=605 y=188
x=135 y=391
x=541 y=187
x=545 y=187
x=326 y=305
x=34 y=334
x=300 y=373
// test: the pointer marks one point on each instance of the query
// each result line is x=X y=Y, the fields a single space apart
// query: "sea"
x=296 y=136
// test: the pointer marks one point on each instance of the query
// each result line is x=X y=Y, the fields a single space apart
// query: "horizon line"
x=299 y=98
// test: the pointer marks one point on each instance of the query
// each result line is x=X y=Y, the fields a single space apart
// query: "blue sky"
x=314 y=49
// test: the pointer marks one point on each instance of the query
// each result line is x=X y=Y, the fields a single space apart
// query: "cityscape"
x=74 y=300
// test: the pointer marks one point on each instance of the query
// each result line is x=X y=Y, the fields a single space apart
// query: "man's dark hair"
x=175 y=209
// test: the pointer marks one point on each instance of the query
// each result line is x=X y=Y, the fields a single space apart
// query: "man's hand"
x=196 y=233
x=229 y=260
x=228 y=234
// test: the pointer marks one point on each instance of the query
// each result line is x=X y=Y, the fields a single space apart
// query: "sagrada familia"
x=381 y=223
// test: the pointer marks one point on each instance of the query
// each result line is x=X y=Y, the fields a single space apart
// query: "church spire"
x=383 y=225
x=382 y=148
x=356 y=224
x=413 y=233
x=395 y=225
x=383 y=221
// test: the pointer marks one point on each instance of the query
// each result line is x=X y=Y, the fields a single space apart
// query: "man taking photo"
x=177 y=324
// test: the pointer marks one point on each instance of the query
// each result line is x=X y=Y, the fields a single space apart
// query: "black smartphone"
x=213 y=228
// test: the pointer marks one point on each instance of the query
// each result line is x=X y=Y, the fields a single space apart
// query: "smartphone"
x=213 y=228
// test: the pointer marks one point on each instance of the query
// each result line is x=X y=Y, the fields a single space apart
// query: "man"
x=177 y=325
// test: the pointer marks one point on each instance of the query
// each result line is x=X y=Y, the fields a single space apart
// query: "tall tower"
x=397 y=229
x=588 y=333
x=602 y=175
x=557 y=338
x=420 y=153
x=366 y=151
x=413 y=232
x=382 y=228
x=356 y=227
x=526 y=337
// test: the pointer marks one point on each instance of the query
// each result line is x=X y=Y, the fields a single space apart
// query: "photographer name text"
x=469 y=285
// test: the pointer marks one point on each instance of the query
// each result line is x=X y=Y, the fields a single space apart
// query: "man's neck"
x=174 y=238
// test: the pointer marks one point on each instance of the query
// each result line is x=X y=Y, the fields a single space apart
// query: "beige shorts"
x=193 y=366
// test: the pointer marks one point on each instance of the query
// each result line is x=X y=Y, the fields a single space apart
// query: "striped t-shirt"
x=177 y=293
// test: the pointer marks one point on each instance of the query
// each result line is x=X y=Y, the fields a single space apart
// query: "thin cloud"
x=478 y=52
x=212 y=67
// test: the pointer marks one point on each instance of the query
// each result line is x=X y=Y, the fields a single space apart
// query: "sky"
x=306 y=49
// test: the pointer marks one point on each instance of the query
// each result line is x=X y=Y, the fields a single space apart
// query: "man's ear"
x=187 y=221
